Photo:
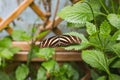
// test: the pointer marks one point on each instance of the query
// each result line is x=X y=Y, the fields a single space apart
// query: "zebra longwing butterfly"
x=60 y=41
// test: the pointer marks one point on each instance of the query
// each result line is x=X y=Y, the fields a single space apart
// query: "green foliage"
x=50 y=66
x=7 y=51
x=5 y=42
x=105 y=29
x=101 y=78
x=41 y=75
x=42 y=34
x=91 y=28
x=79 y=13
x=99 y=17
x=114 y=19
x=115 y=64
x=22 y=72
x=114 y=77
x=45 y=53
x=116 y=49
x=76 y=25
x=96 y=59
x=20 y=35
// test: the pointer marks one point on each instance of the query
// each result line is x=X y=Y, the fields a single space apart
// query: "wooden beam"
x=59 y=56
x=49 y=25
x=8 y=29
x=38 y=11
x=15 y=13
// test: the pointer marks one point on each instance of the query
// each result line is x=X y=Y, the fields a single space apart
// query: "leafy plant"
x=101 y=23
x=7 y=51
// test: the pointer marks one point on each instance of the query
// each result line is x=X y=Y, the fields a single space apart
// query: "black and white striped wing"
x=60 y=41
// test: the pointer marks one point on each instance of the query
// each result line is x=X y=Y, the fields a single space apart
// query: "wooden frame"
x=61 y=54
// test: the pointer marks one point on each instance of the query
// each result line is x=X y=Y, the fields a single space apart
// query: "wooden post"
x=8 y=29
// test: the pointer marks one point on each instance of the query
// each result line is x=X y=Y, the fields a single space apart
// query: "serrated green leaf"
x=78 y=13
x=91 y=28
x=105 y=28
x=116 y=49
x=42 y=34
x=114 y=77
x=6 y=53
x=67 y=69
x=118 y=37
x=116 y=64
x=20 y=35
x=46 y=53
x=5 y=42
x=41 y=74
x=51 y=66
x=83 y=45
x=22 y=72
x=112 y=59
x=115 y=36
x=102 y=78
x=96 y=59
x=75 y=25
x=114 y=19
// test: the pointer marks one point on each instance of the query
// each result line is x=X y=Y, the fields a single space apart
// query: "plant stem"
x=104 y=7
x=112 y=6
x=92 y=12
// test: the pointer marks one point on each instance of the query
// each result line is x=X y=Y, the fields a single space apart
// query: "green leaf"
x=5 y=42
x=116 y=49
x=22 y=72
x=42 y=34
x=20 y=35
x=83 y=45
x=114 y=77
x=51 y=66
x=75 y=25
x=101 y=78
x=105 y=28
x=46 y=53
x=78 y=13
x=91 y=28
x=14 y=49
x=67 y=69
x=41 y=74
x=115 y=36
x=114 y=19
x=6 y=53
x=96 y=59
x=116 y=64
x=118 y=37
x=111 y=60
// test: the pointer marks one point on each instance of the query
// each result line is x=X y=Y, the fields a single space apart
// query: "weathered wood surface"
x=60 y=54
